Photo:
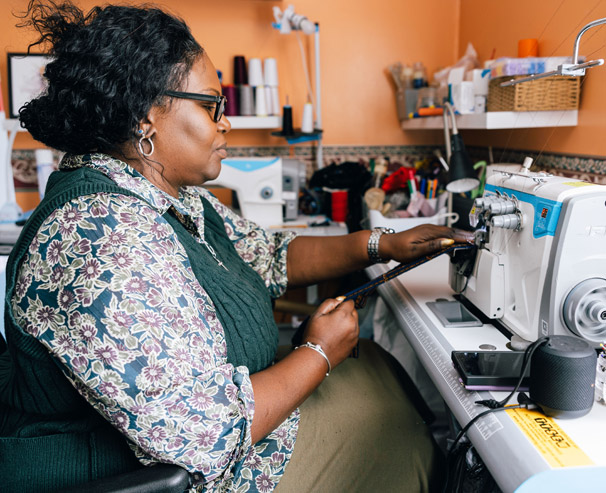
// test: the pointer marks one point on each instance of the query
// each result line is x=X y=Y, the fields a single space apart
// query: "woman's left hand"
x=419 y=241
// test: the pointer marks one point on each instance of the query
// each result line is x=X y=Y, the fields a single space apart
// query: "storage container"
x=548 y=94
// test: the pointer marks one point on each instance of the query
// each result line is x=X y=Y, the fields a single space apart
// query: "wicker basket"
x=550 y=93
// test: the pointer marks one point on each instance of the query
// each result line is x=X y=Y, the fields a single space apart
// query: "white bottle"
x=44 y=167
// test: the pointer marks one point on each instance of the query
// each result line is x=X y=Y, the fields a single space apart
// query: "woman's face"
x=187 y=142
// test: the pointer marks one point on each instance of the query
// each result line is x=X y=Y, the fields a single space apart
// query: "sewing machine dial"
x=584 y=310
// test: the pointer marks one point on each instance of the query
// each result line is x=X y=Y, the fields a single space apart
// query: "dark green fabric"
x=239 y=295
x=50 y=437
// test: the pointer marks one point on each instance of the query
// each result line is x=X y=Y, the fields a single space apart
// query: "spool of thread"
x=260 y=106
x=247 y=101
x=528 y=47
x=270 y=72
x=307 y=122
x=338 y=205
x=240 y=73
x=255 y=72
x=287 y=120
x=274 y=97
x=269 y=103
x=231 y=105
x=44 y=167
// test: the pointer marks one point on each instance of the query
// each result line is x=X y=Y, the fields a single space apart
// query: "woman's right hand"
x=334 y=326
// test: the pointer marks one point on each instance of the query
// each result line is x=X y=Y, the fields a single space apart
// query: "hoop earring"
x=151 y=144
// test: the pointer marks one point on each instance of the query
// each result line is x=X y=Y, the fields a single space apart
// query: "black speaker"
x=562 y=377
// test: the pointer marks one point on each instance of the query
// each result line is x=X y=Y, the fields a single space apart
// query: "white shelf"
x=252 y=122
x=499 y=119
x=237 y=122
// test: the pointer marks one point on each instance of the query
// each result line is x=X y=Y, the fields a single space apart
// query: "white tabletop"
x=516 y=463
x=312 y=226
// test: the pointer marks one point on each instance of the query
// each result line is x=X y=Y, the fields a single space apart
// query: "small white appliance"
x=257 y=182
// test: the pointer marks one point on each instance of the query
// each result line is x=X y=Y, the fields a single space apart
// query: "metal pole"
x=319 y=155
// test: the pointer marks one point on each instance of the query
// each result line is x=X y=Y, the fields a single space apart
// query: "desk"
x=513 y=460
x=305 y=226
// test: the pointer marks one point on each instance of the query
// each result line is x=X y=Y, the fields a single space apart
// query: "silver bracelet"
x=318 y=349
x=373 y=244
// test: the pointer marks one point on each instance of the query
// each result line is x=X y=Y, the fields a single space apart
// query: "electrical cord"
x=456 y=458
x=492 y=403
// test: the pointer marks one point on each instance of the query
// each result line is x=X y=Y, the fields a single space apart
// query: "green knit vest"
x=50 y=437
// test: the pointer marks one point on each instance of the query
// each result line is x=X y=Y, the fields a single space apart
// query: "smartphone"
x=491 y=370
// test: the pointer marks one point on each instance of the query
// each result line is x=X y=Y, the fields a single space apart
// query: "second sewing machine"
x=267 y=188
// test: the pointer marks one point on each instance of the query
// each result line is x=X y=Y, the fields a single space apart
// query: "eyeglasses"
x=218 y=100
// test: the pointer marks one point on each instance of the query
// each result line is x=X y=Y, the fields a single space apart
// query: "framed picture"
x=25 y=79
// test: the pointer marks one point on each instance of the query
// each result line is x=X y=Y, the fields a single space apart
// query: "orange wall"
x=555 y=24
x=359 y=39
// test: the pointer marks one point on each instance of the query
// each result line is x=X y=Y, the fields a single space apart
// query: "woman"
x=138 y=289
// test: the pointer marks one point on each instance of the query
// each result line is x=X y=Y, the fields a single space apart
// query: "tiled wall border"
x=589 y=168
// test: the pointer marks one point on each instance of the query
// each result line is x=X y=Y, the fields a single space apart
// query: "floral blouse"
x=108 y=289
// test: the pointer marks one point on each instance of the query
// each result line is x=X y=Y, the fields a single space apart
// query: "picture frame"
x=25 y=79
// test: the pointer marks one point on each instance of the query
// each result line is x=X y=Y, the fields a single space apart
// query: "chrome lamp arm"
x=575 y=68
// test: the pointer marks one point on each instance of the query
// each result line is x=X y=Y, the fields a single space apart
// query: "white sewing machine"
x=540 y=267
x=257 y=182
x=267 y=187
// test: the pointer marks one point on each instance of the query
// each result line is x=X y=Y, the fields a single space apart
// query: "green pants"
x=361 y=432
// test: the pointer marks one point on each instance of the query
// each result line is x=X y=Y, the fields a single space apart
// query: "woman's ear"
x=147 y=126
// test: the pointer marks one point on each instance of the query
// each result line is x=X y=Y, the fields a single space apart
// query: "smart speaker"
x=562 y=377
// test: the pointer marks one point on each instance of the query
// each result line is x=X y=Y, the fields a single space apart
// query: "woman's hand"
x=334 y=326
x=419 y=241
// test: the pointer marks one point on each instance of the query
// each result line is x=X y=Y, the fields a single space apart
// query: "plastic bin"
x=403 y=223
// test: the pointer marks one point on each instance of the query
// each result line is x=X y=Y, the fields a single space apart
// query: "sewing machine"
x=540 y=266
x=263 y=185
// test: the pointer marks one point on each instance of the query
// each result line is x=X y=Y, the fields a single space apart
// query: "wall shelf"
x=499 y=120
x=252 y=122
x=237 y=122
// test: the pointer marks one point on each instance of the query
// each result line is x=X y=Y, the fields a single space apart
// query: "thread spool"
x=240 y=73
x=307 y=122
x=247 y=102
x=274 y=96
x=231 y=105
x=255 y=72
x=270 y=72
x=260 y=106
x=528 y=48
x=269 y=102
x=338 y=205
x=287 y=120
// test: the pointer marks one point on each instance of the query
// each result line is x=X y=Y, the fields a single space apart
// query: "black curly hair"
x=108 y=68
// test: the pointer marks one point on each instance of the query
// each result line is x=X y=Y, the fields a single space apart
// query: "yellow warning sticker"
x=549 y=439
x=578 y=184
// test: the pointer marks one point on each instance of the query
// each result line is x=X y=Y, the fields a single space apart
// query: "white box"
x=403 y=223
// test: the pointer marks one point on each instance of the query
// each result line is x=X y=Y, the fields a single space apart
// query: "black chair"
x=161 y=478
